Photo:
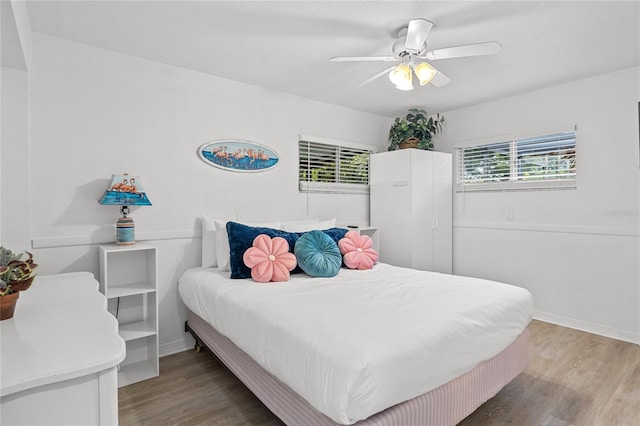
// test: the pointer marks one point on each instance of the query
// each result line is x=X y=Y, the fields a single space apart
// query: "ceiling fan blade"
x=479 y=49
x=380 y=74
x=417 y=33
x=440 y=79
x=364 y=59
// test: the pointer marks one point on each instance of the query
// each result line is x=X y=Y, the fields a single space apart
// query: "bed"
x=387 y=345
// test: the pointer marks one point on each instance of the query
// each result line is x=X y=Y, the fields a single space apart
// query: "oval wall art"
x=238 y=156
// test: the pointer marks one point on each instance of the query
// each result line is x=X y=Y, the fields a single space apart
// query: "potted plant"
x=16 y=275
x=414 y=130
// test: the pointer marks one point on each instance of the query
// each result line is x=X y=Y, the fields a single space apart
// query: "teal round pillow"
x=317 y=254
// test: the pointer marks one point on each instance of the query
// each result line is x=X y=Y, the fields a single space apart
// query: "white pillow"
x=310 y=226
x=209 y=259
x=285 y=223
x=223 y=252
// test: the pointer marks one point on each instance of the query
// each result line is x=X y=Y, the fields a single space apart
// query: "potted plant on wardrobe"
x=414 y=130
x=16 y=275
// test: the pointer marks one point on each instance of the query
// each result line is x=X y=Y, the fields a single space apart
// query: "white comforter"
x=362 y=341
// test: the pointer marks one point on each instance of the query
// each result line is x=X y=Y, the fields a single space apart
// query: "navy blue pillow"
x=241 y=238
x=336 y=234
x=318 y=255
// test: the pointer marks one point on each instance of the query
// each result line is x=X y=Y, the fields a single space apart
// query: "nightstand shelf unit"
x=371 y=232
x=136 y=372
x=130 y=289
x=128 y=278
x=137 y=330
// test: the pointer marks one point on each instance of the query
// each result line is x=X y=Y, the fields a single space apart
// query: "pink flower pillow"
x=357 y=252
x=269 y=259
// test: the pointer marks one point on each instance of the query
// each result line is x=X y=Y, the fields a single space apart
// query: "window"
x=540 y=162
x=327 y=167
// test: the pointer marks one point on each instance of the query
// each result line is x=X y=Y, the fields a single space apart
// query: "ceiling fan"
x=410 y=49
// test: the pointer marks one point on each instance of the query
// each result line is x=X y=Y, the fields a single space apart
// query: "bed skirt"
x=446 y=405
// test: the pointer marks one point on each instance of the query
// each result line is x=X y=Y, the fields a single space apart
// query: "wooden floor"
x=574 y=378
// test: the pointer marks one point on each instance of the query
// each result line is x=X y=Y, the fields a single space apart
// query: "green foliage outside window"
x=352 y=169
x=487 y=164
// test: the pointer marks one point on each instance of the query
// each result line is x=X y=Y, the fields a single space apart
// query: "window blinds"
x=332 y=168
x=540 y=162
x=546 y=157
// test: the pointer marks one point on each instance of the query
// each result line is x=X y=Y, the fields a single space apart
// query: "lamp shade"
x=125 y=190
x=424 y=72
x=401 y=75
x=405 y=86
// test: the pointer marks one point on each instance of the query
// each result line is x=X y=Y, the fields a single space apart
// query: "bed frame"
x=446 y=405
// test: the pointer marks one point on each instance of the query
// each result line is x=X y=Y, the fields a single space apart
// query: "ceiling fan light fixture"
x=401 y=75
x=406 y=87
x=406 y=84
x=424 y=72
x=410 y=47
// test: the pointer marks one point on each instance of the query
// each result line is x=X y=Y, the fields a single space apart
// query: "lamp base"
x=125 y=231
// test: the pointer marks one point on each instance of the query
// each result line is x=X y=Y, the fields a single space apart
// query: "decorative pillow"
x=308 y=226
x=241 y=238
x=318 y=254
x=336 y=234
x=357 y=251
x=269 y=259
x=222 y=242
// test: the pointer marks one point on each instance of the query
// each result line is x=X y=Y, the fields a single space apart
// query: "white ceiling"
x=285 y=45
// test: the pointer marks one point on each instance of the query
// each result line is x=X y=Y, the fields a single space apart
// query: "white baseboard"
x=601 y=330
x=176 y=346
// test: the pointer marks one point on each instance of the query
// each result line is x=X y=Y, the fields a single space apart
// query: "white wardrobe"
x=411 y=205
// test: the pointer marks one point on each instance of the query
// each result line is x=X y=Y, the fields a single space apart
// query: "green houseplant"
x=416 y=128
x=16 y=275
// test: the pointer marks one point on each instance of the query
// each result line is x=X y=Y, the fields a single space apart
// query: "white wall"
x=95 y=112
x=14 y=160
x=14 y=125
x=577 y=251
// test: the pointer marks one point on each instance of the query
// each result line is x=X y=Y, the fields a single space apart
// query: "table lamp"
x=125 y=191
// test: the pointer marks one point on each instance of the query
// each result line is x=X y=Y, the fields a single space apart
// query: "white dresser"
x=59 y=355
